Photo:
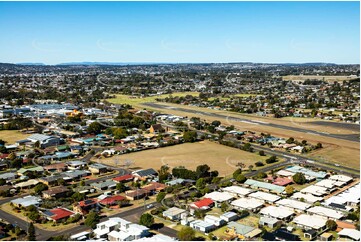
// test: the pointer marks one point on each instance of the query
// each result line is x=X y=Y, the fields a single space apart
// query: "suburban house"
x=58 y=214
x=113 y=200
x=219 y=197
x=229 y=216
x=135 y=194
x=27 y=201
x=97 y=168
x=104 y=185
x=175 y=213
x=76 y=164
x=56 y=167
x=246 y=203
x=269 y=222
x=202 y=226
x=145 y=174
x=203 y=204
x=306 y=221
x=216 y=221
x=55 y=192
x=242 y=232
x=83 y=207
x=351 y=234
x=124 y=178
x=280 y=213
x=50 y=180
x=44 y=140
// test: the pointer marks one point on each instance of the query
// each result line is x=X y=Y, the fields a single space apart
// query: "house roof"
x=313 y=221
x=60 y=213
x=247 y=203
x=326 y=212
x=264 y=185
x=88 y=202
x=293 y=204
x=154 y=186
x=285 y=235
x=351 y=233
x=112 y=200
x=157 y=127
x=240 y=228
x=265 y=196
x=27 y=201
x=173 y=211
x=219 y=196
x=146 y=172
x=39 y=137
x=238 y=190
x=123 y=178
x=56 y=190
x=205 y=202
x=277 y=212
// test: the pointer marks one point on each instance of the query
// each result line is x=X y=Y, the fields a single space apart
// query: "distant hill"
x=30 y=64
x=106 y=63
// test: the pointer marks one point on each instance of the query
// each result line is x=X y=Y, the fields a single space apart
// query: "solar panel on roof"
x=335 y=205
x=48 y=213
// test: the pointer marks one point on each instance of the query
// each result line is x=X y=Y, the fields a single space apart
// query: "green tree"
x=241 y=178
x=94 y=128
x=299 y=178
x=190 y=136
x=160 y=196
x=216 y=123
x=186 y=234
x=261 y=175
x=224 y=207
x=40 y=187
x=201 y=183
x=289 y=190
x=250 y=168
x=331 y=225
x=261 y=153
x=92 y=219
x=34 y=215
x=31 y=232
x=272 y=159
x=236 y=173
x=146 y=219
x=2 y=182
x=120 y=187
x=163 y=173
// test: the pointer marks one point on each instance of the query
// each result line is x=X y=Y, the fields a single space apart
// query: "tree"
x=201 y=183
x=186 y=234
x=160 y=196
x=202 y=171
x=2 y=182
x=94 y=128
x=40 y=187
x=31 y=232
x=119 y=133
x=216 y=123
x=290 y=140
x=92 y=219
x=250 y=168
x=299 y=178
x=82 y=183
x=261 y=175
x=37 y=144
x=236 y=173
x=146 y=219
x=224 y=207
x=261 y=153
x=289 y=190
x=331 y=225
x=163 y=173
x=318 y=146
x=120 y=187
x=241 y=178
x=34 y=215
x=272 y=159
x=190 y=136
x=259 y=163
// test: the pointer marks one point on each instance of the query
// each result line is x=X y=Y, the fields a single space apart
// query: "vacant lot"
x=136 y=101
x=10 y=136
x=325 y=78
x=219 y=157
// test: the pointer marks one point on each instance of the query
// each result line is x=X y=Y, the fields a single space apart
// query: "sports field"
x=10 y=136
x=222 y=158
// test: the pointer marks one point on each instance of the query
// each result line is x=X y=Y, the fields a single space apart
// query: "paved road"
x=349 y=137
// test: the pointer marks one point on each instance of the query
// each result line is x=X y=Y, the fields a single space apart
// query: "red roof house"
x=58 y=214
x=205 y=203
x=124 y=178
x=112 y=200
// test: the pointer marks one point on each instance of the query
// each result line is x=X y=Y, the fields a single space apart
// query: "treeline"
x=202 y=171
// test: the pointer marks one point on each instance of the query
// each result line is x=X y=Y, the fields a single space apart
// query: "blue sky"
x=274 y=32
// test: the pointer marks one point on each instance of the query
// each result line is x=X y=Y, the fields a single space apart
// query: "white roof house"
x=237 y=190
x=133 y=232
x=201 y=226
x=294 y=204
x=277 y=212
x=307 y=197
x=247 y=203
x=174 y=213
x=310 y=221
x=349 y=197
x=27 y=201
x=325 y=212
x=216 y=221
x=219 y=196
x=158 y=238
x=350 y=233
x=329 y=184
x=341 y=178
x=264 y=196
x=315 y=190
x=285 y=173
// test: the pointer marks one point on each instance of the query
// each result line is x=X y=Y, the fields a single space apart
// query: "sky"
x=180 y=32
